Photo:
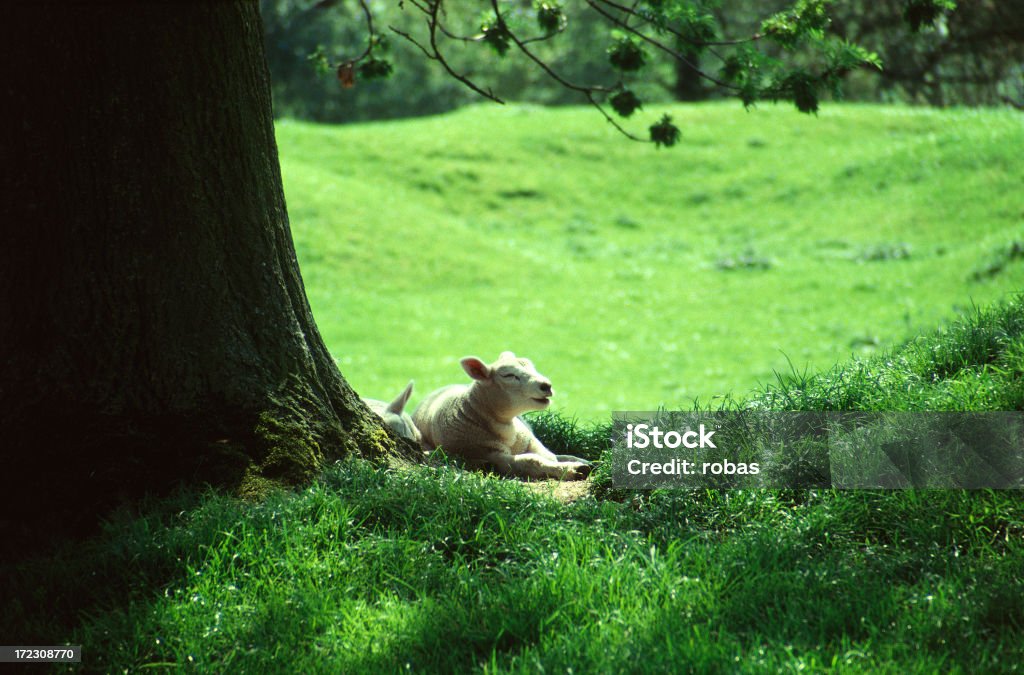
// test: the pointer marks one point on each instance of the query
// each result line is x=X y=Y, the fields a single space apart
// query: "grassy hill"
x=636 y=278
x=433 y=569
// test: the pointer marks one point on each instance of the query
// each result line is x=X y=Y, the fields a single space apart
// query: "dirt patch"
x=564 y=491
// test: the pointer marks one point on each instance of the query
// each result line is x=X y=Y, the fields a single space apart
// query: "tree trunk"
x=153 y=323
x=688 y=86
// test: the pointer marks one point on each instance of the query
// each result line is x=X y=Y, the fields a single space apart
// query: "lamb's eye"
x=512 y=375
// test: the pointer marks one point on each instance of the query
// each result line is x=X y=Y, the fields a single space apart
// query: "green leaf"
x=802 y=88
x=379 y=43
x=847 y=56
x=497 y=35
x=921 y=13
x=698 y=28
x=375 y=69
x=625 y=103
x=807 y=19
x=550 y=17
x=626 y=54
x=749 y=94
x=320 y=61
x=745 y=70
x=664 y=133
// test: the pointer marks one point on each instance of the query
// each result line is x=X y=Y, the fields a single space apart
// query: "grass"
x=434 y=569
x=797 y=258
x=635 y=278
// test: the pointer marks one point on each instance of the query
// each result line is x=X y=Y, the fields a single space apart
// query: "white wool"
x=479 y=422
x=394 y=416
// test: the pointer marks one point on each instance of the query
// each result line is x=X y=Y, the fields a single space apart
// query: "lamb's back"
x=437 y=411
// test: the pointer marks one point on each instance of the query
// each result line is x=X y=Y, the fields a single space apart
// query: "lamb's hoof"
x=579 y=471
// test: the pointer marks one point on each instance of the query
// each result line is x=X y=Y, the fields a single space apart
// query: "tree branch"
x=658 y=45
x=587 y=91
x=434 y=53
x=632 y=11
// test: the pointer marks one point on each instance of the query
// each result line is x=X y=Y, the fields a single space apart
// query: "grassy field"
x=636 y=278
x=432 y=569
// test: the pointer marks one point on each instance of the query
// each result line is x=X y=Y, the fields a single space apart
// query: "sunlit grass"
x=636 y=278
x=754 y=259
x=435 y=569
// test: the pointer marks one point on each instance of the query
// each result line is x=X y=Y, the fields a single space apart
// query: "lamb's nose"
x=545 y=387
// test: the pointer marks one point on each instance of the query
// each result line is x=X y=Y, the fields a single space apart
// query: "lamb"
x=479 y=423
x=396 y=420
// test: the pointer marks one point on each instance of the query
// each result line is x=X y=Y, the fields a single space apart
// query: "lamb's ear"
x=398 y=404
x=476 y=368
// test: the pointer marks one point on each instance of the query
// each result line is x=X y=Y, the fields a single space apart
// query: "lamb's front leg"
x=529 y=458
x=533 y=465
x=575 y=467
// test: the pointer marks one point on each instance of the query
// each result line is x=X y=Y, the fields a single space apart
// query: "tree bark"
x=153 y=323
x=688 y=85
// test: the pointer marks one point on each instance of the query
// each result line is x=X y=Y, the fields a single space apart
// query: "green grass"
x=443 y=571
x=637 y=278
x=434 y=569
x=755 y=259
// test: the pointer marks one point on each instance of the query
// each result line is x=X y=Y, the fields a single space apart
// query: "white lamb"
x=479 y=422
x=393 y=415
